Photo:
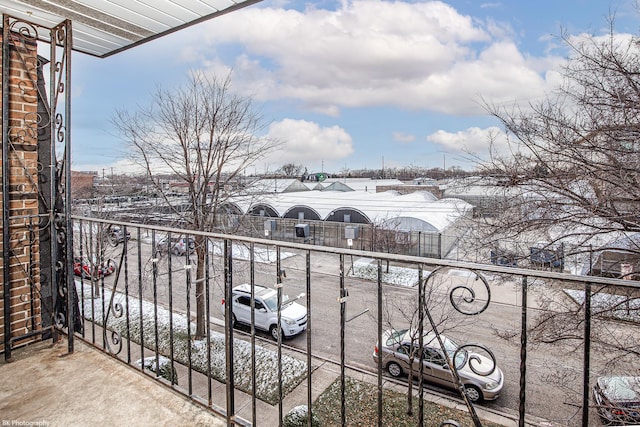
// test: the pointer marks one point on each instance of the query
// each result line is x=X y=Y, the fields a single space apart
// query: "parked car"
x=617 y=399
x=293 y=315
x=116 y=235
x=484 y=385
x=86 y=268
x=178 y=245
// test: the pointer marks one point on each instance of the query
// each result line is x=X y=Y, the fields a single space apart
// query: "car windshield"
x=450 y=347
x=272 y=301
x=395 y=337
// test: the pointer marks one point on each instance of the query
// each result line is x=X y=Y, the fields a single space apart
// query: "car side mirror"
x=262 y=310
x=445 y=366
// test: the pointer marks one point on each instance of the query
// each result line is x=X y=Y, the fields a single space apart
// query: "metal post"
x=587 y=349
x=228 y=323
x=421 y=291
x=252 y=278
x=71 y=289
x=279 y=329
x=187 y=267
x=523 y=355
x=53 y=187
x=379 y=343
x=6 y=231
x=343 y=304
x=309 y=396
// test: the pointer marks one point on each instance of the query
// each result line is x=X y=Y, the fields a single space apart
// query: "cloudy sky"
x=351 y=84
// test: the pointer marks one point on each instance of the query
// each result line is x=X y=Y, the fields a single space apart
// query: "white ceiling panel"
x=105 y=27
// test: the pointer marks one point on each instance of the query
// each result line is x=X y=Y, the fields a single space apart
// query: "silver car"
x=483 y=384
x=617 y=399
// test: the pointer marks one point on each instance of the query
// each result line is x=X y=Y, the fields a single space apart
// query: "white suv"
x=293 y=315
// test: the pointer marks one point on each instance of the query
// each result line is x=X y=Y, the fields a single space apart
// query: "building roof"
x=418 y=211
x=362 y=184
x=103 y=28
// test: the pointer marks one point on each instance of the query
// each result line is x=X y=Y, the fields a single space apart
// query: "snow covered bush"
x=298 y=417
x=294 y=370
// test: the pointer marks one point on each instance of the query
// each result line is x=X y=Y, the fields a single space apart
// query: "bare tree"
x=573 y=170
x=572 y=178
x=291 y=169
x=390 y=237
x=205 y=136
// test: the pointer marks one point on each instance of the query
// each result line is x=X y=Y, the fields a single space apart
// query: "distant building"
x=82 y=184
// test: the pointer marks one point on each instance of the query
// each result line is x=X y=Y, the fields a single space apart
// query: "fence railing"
x=527 y=345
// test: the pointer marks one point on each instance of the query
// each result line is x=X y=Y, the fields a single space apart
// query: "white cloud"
x=421 y=56
x=472 y=140
x=306 y=142
x=403 y=138
x=118 y=166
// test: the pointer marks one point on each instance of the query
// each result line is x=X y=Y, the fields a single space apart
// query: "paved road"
x=545 y=398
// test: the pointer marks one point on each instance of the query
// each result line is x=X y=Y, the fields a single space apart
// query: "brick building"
x=20 y=239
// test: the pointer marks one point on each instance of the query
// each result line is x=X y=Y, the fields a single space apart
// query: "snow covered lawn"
x=293 y=370
x=611 y=306
x=365 y=268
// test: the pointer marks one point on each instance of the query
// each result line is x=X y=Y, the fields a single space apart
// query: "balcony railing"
x=552 y=335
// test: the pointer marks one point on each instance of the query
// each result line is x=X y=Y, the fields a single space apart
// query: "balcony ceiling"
x=104 y=27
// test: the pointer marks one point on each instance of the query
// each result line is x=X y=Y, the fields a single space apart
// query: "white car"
x=178 y=245
x=293 y=315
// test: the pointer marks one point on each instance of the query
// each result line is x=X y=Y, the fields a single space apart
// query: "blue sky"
x=352 y=84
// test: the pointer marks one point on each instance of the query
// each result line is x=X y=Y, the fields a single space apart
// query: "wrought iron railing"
x=141 y=289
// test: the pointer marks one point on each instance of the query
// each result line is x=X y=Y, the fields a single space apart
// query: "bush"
x=298 y=416
x=166 y=371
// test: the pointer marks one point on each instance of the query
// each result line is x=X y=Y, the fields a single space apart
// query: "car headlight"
x=491 y=385
x=290 y=322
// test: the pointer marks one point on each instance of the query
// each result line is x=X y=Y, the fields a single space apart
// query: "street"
x=554 y=372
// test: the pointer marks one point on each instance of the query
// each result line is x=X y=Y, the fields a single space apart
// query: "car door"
x=242 y=309
x=402 y=355
x=438 y=370
x=262 y=316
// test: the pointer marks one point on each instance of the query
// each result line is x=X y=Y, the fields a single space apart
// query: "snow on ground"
x=263 y=255
x=126 y=316
x=607 y=305
x=365 y=268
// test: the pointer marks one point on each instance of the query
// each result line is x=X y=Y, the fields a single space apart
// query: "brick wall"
x=23 y=194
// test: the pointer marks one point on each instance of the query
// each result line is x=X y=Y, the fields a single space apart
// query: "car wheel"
x=111 y=266
x=394 y=369
x=473 y=393
x=273 y=330
x=113 y=240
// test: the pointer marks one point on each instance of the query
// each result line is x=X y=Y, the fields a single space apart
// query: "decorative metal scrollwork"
x=25 y=30
x=470 y=295
x=467 y=298
x=474 y=359
x=116 y=340
x=60 y=128
x=117 y=309
x=59 y=320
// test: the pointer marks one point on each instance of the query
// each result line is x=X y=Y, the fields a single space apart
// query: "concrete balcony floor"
x=46 y=386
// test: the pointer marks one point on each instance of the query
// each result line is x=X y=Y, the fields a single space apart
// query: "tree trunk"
x=201 y=318
x=410 y=388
